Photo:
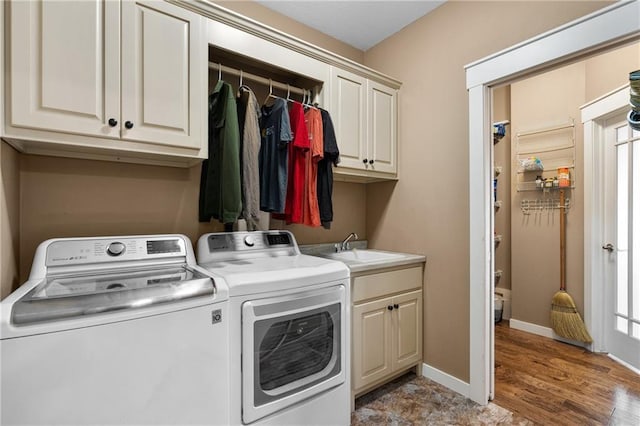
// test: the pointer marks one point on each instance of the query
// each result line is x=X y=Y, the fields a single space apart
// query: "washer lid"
x=70 y=296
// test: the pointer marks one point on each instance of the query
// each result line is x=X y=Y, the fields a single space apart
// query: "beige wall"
x=73 y=198
x=551 y=98
x=427 y=211
x=609 y=71
x=9 y=219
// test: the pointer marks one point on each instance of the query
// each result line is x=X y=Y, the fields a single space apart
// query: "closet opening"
x=259 y=76
x=541 y=154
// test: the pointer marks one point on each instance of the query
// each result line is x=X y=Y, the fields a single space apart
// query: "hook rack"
x=539 y=205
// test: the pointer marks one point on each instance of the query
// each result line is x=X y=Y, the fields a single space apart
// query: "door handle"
x=608 y=247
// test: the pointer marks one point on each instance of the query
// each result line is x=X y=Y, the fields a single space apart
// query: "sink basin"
x=356 y=255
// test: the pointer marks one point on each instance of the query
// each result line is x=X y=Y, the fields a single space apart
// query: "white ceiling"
x=361 y=24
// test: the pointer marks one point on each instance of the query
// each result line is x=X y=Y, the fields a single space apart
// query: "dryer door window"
x=293 y=348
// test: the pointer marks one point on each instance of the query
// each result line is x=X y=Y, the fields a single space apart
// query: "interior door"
x=622 y=240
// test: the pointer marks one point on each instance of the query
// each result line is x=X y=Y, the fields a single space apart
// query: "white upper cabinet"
x=61 y=76
x=365 y=118
x=130 y=74
x=348 y=113
x=159 y=91
x=382 y=132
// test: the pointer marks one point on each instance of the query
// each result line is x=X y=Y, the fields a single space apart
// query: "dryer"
x=115 y=330
x=289 y=329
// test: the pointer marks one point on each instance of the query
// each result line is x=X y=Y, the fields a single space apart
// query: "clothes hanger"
x=308 y=103
x=270 y=95
x=242 y=86
x=289 y=94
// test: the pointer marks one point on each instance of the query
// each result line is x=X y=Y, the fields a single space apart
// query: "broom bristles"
x=565 y=319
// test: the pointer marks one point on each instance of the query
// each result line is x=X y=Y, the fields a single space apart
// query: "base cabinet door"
x=408 y=329
x=386 y=338
x=371 y=340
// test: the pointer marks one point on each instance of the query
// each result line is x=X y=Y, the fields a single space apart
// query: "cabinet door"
x=382 y=114
x=348 y=112
x=163 y=74
x=371 y=338
x=407 y=345
x=65 y=70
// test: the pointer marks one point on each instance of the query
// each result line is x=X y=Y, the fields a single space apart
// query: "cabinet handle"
x=395 y=306
x=113 y=122
x=365 y=161
x=390 y=308
x=370 y=161
x=128 y=124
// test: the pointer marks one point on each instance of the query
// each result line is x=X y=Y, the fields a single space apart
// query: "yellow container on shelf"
x=564 y=180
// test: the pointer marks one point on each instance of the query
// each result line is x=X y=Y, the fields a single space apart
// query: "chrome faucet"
x=344 y=245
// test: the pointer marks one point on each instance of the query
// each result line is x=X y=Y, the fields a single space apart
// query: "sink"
x=364 y=256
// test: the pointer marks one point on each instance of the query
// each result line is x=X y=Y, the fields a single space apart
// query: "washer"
x=115 y=330
x=289 y=328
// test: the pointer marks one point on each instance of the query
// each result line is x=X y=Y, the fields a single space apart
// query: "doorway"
x=545 y=128
x=614 y=25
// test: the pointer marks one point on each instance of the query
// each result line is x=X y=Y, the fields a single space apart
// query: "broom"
x=565 y=319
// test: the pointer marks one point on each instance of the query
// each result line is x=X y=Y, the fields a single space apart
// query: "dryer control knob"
x=248 y=240
x=115 y=249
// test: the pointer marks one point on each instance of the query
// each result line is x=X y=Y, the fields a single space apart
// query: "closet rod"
x=283 y=86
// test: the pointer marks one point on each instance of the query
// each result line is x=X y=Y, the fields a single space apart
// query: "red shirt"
x=298 y=152
x=311 y=212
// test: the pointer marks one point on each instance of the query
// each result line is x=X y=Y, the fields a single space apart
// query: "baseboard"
x=545 y=332
x=446 y=380
x=626 y=364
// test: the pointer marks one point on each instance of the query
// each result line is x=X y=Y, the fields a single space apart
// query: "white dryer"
x=115 y=330
x=289 y=329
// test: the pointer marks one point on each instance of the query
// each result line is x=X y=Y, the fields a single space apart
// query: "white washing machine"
x=289 y=329
x=118 y=331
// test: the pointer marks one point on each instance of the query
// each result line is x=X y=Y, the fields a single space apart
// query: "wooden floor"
x=553 y=383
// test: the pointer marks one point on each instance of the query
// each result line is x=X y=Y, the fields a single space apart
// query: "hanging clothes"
x=275 y=132
x=220 y=196
x=325 y=170
x=311 y=212
x=249 y=123
x=298 y=151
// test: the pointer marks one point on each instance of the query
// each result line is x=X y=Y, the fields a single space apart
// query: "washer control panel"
x=230 y=245
x=111 y=249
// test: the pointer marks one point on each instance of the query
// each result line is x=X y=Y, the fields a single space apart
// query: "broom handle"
x=563 y=285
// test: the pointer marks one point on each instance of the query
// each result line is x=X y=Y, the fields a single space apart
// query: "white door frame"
x=605 y=28
x=594 y=115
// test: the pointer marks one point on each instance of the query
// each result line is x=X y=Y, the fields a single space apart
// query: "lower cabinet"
x=386 y=326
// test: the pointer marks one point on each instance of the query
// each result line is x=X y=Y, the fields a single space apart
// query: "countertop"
x=364 y=266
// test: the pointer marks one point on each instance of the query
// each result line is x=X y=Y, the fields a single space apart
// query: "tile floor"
x=413 y=400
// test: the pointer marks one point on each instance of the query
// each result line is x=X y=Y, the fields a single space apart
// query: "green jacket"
x=220 y=180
